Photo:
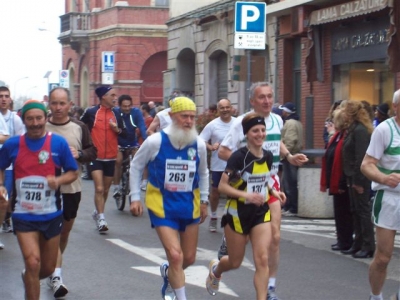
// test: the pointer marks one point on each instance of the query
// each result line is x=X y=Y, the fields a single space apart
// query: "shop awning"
x=347 y=10
x=314 y=64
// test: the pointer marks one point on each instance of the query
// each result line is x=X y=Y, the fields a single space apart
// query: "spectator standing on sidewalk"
x=358 y=133
x=381 y=113
x=292 y=137
x=213 y=134
x=333 y=179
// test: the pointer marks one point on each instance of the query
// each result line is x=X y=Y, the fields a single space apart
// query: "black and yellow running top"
x=247 y=172
x=242 y=164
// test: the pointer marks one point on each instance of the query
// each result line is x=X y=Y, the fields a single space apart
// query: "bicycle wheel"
x=120 y=201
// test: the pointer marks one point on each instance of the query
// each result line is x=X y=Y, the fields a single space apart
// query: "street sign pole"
x=248 y=81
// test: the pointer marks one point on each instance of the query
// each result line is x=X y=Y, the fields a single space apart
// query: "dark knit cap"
x=383 y=109
x=102 y=90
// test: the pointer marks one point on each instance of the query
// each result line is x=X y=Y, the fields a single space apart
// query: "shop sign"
x=347 y=10
x=360 y=41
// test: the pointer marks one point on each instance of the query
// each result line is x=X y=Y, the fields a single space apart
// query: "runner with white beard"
x=177 y=192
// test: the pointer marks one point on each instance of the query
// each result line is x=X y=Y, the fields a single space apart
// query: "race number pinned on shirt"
x=179 y=175
x=34 y=193
x=257 y=183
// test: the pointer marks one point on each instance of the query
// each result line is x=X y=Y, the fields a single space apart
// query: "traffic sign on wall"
x=64 y=78
x=107 y=78
x=250 y=25
x=107 y=61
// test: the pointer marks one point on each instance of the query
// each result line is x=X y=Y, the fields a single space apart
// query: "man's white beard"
x=180 y=138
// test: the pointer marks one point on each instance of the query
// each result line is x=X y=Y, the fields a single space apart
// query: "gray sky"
x=25 y=50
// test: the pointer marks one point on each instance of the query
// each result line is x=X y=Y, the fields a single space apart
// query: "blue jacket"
x=132 y=121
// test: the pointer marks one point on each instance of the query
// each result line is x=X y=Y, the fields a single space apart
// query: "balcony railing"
x=75 y=21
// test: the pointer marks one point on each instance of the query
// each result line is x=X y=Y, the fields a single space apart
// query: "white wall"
x=180 y=7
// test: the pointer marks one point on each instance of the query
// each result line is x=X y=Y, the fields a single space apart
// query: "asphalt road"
x=124 y=263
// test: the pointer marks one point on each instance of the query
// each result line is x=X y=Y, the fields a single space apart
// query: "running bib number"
x=34 y=194
x=257 y=183
x=179 y=175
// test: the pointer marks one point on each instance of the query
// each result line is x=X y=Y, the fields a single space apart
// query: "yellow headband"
x=181 y=104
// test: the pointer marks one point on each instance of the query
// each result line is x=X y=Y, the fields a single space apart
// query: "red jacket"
x=98 y=118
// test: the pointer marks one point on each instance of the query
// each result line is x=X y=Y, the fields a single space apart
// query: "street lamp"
x=47 y=75
x=31 y=88
x=15 y=86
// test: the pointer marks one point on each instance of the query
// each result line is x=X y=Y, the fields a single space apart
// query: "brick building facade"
x=335 y=50
x=134 y=30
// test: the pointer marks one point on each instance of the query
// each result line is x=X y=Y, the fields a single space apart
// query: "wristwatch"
x=204 y=202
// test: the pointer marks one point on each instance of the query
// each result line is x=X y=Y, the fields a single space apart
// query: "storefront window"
x=370 y=81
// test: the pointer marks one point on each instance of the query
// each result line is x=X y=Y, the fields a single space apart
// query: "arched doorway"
x=185 y=72
x=152 y=76
x=218 y=76
x=84 y=90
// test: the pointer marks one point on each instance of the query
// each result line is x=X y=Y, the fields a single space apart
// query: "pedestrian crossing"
x=317 y=227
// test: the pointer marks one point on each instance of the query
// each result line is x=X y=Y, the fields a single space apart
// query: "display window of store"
x=358 y=57
x=370 y=80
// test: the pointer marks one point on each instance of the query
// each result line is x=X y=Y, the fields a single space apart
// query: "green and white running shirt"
x=235 y=138
x=385 y=147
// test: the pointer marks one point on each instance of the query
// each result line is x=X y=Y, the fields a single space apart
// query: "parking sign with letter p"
x=250 y=17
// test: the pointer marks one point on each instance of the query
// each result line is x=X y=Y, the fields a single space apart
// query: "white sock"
x=180 y=293
x=272 y=282
x=100 y=216
x=376 y=297
x=214 y=215
x=56 y=273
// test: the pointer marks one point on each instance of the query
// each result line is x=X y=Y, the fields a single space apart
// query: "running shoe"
x=271 y=294
x=94 y=215
x=7 y=225
x=212 y=282
x=288 y=213
x=223 y=249
x=102 y=225
x=212 y=226
x=1 y=245
x=167 y=292
x=395 y=297
x=59 y=289
x=23 y=282
x=117 y=193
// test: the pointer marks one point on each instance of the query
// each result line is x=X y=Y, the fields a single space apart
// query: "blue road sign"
x=108 y=62
x=250 y=17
